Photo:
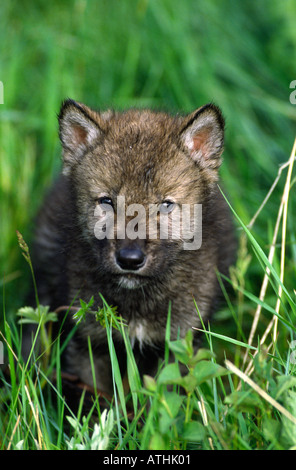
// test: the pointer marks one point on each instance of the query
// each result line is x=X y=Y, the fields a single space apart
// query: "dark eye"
x=106 y=202
x=166 y=207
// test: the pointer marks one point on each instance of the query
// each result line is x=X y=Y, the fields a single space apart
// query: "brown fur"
x=148 y=157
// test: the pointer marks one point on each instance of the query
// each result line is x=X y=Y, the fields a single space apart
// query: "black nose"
x=130 y=258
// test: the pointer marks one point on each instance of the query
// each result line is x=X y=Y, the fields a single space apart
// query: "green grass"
x=247 y=406
x=176 y=56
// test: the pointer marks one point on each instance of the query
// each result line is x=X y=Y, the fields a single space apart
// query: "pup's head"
x=140 y=178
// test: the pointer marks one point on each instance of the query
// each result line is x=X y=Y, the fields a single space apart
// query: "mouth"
x=131 y=281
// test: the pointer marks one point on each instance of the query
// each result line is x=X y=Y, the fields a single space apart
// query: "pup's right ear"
x=78 y=131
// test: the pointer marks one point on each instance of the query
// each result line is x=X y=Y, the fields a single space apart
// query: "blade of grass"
x=11 y=358
x=118 y=388
x=35 y=414
x=260 y=253
x=14 y=431
x=263 y=304
x=226 y=338
x=132 y=372
x=167 y=335
x=94 y=377
x=285 y=202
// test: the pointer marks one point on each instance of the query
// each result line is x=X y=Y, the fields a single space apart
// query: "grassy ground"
x=177 y=56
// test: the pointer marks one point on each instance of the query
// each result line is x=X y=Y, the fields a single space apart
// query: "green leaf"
x=172 y=401
x=169 y=374
x=149 y=383
x=183 y=348
x=193 y=431
x=85 y=308
x=272 y=430
x=248 y=401
x=157 y=442
x=205 y=370
x=188 y=382
x=28 y=315
x=36 y=315
x=284 y=382
x=202 y=354
x=165 y=423
x=179 y=350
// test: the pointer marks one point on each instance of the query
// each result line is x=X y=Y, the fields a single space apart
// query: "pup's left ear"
x=203 y=136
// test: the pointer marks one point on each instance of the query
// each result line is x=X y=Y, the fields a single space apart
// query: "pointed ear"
x=78 y=131
x=203 y=136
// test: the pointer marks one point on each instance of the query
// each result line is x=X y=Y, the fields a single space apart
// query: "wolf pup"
x=137 y=217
